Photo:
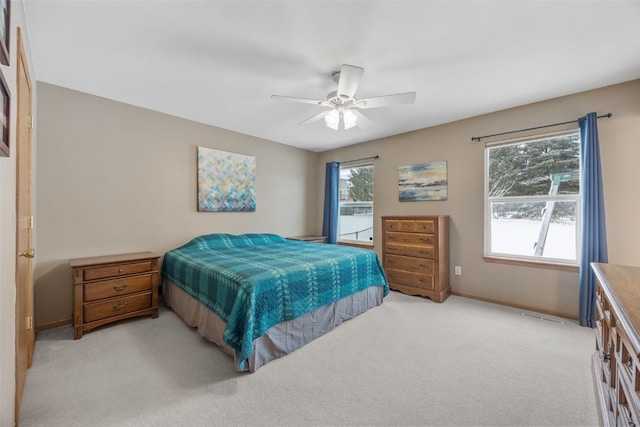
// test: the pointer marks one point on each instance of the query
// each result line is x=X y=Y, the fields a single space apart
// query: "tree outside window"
x=532 y=199
x=356 y=204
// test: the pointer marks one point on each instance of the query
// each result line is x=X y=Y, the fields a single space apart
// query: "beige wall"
x=547 y=290
x=8 y=227
x=113 y=178
x=116 y=178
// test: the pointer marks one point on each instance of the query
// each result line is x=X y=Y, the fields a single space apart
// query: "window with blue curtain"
x=594 y=236
x=331 y=202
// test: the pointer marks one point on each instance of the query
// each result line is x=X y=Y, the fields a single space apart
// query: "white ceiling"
x=218 y=62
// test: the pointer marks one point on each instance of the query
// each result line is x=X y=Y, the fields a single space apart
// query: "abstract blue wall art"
x=424 y=181
x=226 y=181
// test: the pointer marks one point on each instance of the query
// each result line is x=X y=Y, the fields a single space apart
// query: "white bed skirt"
x=280 y=340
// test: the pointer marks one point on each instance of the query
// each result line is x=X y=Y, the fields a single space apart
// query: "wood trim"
x=518 y=306
x=54 y=324
x=25 y=334
x=534 y=264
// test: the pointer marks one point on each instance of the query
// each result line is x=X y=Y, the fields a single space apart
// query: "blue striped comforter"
x=255 y=281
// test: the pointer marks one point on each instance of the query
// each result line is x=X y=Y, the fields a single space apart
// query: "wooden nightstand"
x=310 y=238
x=111 y=288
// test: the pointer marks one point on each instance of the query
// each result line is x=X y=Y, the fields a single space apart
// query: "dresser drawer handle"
x=117 y=307
x=393 y=237
x=393 y=275
x=120 y=270
x=121 y=287
x=424 y=266
x=391 y=261
x=423 y=280
x=425 y=252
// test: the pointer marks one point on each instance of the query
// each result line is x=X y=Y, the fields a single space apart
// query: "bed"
x=262 y=296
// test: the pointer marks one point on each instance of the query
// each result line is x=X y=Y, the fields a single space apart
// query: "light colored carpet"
x=408 y=362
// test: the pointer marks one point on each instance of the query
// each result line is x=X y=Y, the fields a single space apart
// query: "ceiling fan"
x=344 y=106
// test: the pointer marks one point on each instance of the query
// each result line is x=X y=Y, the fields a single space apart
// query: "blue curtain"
x=594 y=236
x=331 y=202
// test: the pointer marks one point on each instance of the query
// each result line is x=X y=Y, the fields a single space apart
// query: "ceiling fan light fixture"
x=341 y=101
x=349 y=118
x=332 y=119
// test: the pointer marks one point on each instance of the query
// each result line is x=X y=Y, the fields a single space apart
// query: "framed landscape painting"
x=424 y=181
x=226 y=181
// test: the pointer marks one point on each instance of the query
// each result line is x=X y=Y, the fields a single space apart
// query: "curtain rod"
x=358 y=160
x=478 y=138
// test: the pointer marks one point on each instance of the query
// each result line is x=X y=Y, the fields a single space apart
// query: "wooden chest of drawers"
x=616 y=367
x=415 y=255
x=111 y=288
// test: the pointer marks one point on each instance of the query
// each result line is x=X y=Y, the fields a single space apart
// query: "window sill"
x=535 y=264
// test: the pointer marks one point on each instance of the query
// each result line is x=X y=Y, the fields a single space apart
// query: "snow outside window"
x=532 y=199
x=356 y=204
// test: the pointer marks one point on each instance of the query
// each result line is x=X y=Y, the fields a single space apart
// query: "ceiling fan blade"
x=363 y=121
x=386 y=100
x=302 y=100
x=349 y=80
x=314 y=118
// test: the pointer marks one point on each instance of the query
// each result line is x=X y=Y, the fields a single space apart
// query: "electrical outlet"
x=458 y=270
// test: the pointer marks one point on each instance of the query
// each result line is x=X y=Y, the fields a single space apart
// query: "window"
x=356 y=204
x=532 y=199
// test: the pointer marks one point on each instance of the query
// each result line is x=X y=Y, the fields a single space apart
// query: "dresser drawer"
x=116 y=270
x=111 y=288
x=410 y=238
x=407 y=278
x=411 y=226
x=115 y=307
x=626 y=357
x=408 y=250
x=417 y=265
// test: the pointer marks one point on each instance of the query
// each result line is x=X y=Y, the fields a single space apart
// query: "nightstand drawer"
x=111 y=288
x=116 y=270
x=115 y=307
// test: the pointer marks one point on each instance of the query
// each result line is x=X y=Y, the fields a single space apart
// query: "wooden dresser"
x=415 y=255
x=111 y=288
x=616 y=367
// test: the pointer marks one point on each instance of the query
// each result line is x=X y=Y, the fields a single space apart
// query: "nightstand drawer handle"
x=117 y=307
x=121 y=287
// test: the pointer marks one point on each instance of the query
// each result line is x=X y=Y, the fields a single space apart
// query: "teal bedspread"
x=255 y=281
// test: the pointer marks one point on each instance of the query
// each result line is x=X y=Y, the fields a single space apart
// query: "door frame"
x=24 y=204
